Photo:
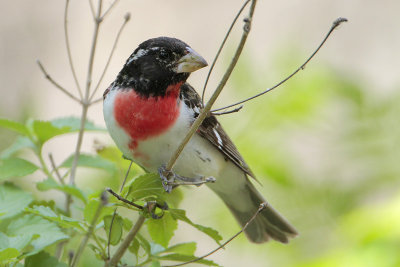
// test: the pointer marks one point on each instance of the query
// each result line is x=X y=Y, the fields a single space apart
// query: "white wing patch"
x=218 y=138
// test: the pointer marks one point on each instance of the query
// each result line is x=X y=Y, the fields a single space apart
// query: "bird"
x=149 y=108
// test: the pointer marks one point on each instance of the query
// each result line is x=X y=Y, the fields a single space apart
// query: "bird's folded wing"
x=212 y=130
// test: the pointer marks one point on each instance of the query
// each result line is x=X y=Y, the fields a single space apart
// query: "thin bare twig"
x=335 y=24
x=54 y=166
x=207 y=108
x=85 y=239
x=221 y=47
x=125 y=244
x=96 y=101
x=109 y=9
x=85 y=100
x=58 y=86
x=126 y=19
x=115 y=210
x=260 y=209
x=109 y=190
x=227 y=112
x=71 y=64
x=92 y=9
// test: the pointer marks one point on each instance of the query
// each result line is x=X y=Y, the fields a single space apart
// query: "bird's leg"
x=170 y=179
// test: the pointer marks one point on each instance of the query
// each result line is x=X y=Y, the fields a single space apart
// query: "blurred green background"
x=325 y=146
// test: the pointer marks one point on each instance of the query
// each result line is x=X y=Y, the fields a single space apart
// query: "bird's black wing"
x=212 y=130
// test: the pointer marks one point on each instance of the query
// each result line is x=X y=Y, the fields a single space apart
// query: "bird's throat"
x=146 y=117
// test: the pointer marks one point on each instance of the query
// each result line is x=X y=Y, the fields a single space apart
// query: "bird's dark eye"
x=163 y=54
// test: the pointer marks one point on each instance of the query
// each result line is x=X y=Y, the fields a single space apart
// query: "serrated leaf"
x=45 y=130
x=47 y=233
x=182 y=248
x=12 y=200
x=61 y=220
x=91 y=161
x=184 y=258
x=66 y=188
x=116 y=229
x=145 y=185
x=20 y=143
x=43 y=259
x=74 y=123
x=18 y=242
x=162 y=230
x=181 y=215
x=16 y=167
x=14 y=126
x=7 y=254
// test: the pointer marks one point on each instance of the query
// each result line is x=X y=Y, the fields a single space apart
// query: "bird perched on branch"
x=148 y=110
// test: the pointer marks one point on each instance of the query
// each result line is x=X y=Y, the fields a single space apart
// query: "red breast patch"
x=144 y=117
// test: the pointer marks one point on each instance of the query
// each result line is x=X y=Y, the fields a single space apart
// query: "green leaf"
x=43 y=259
x=14 y=126
x=162 y=230
x=183 y=248
x=74 y=123
x=184 y=258
x=181 y=215
x=134 y=246
x=47 y=233
x=145 y=185
x=8 y=254
x=61 y=220
x=16 y=167
x=18 y=242
x=70 y=189
x=91 y=161
x=12 y=200
x=155 y=264
x=91 y=209
x=144 y=243
x=116 y=229
x=45 y=130
x=20 y=143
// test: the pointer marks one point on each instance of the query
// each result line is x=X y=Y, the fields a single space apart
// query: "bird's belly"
x=199 y=158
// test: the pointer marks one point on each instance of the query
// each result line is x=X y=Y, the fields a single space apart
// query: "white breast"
x=199 y=158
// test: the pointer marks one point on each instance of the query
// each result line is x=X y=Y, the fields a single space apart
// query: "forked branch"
x=335 y=24
x=218 y=90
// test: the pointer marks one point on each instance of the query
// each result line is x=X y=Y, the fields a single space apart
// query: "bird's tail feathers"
x=268 y=223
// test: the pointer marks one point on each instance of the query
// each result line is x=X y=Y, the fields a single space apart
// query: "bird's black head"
x=158 y=63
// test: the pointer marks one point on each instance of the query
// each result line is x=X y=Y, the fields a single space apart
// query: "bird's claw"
x=170 y=179
x=165 y=178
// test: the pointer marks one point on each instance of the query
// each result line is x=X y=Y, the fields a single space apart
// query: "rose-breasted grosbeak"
x=148 y=110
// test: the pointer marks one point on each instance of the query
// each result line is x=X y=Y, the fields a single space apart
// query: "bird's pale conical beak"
x=190 y=62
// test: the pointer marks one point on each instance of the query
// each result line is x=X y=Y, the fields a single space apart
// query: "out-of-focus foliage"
x=32 y=230
x=331 y=149
x=325 y=149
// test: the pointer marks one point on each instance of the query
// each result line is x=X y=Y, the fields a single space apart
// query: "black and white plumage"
x=148 y=110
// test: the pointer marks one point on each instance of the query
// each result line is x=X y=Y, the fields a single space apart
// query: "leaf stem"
x=88 y=234
x=125 y=244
